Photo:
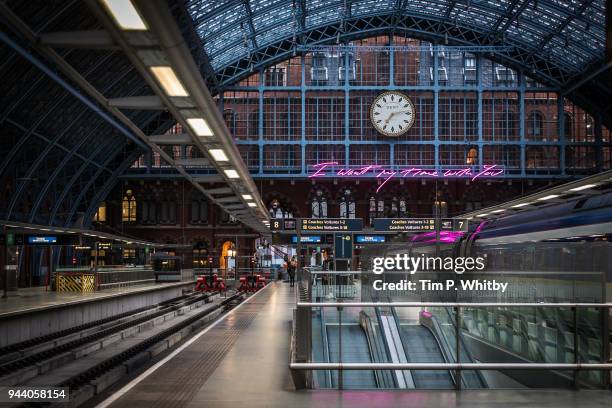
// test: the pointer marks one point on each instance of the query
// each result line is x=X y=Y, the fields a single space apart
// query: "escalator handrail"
x=443 y=351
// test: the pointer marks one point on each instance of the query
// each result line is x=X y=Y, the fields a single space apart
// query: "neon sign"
x=330 y=169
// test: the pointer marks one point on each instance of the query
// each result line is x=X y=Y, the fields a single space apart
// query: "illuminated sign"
x=307 y=239
x=387 y=173
x=331 y=224
x=42 y=240
x=453 y=224
x=280 y=224
x=404 y=224
x=369 y=239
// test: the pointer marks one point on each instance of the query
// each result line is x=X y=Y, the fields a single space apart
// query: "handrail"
x=451 y=304
x=450 y=366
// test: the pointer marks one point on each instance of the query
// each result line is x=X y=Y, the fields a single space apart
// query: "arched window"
x=376 y=208
x=200 y=254
x=128 y=207
x=347 y=205
x=276 y=210
x=148 y=210
x=319 y=205
x=440 y=208
x=168 y=210
x=399 y=207
x=535 y=125
x=199 y=209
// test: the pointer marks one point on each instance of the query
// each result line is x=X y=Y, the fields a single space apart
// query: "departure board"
x=331 y=224
x=404 y=224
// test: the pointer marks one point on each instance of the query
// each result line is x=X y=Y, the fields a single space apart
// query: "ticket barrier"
x=210 y=283
x=251 y=283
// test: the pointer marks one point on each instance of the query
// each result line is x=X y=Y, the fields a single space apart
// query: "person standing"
x=291 y=269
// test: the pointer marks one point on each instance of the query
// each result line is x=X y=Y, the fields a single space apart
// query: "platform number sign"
x=276 y=225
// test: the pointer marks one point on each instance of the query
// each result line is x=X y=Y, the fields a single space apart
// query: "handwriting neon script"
x=380 y=172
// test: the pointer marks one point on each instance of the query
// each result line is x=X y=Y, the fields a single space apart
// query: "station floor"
x=242 y=361
x=32 y=299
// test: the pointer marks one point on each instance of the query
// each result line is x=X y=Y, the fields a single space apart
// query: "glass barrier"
x=522 y=325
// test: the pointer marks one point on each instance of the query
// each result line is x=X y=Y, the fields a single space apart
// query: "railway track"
x=92 y=357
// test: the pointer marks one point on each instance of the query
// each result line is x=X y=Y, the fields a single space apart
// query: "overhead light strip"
x=168 y=80
x=125 y=14
x=200 y=127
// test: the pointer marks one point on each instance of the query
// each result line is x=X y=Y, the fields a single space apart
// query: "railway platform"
x=242 y=360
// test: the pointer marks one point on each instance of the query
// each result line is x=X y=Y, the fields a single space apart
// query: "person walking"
x=291 y=269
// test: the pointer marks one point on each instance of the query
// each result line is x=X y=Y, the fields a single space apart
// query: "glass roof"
x=569 y=34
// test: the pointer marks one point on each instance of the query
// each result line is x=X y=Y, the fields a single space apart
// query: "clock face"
x=392 y=113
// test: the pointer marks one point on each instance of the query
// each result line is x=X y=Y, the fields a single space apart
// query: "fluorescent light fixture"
x=199 y=126
x=520 y=205
x=251 y=204
x=247 y=196
x=482 y=215
x=585 y=187
x=231 y=173
x=168 y=80
x=125 y=14
x=498 y=211
x=218 y=154
x=548 y=197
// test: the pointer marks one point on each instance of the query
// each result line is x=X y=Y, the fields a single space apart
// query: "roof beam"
x=249 y=13
x=220 y=190
x=171 y=139
x=509 y=16
x=89 y=39
x=564 y=23
x=149 y=102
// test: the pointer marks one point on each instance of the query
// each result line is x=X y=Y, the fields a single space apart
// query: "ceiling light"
x=168 y=80
x=125 y=14
x=482 y=215
x=247 y=196
x=498 y=211
x=520 y=205
x=231 y=173
x=548 y=197
x=251 y=204
x=218 y=154
x=199 y=126
x=585 y=187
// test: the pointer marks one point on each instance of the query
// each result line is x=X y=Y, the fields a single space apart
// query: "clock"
x=392 y=113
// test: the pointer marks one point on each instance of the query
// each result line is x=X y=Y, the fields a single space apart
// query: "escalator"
x=356 y=348
x=426 y=341
x=422 y=347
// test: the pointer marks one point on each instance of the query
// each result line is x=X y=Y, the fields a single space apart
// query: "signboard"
x=453 y=224
x=370 y=239
x=282 y=224
x=343 y=246
x=331 y=224
x=45 y=239
x=404 y=224
x=307 y=239
x=10 y=238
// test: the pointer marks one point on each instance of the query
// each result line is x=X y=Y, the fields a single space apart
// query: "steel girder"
x=511 y=54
